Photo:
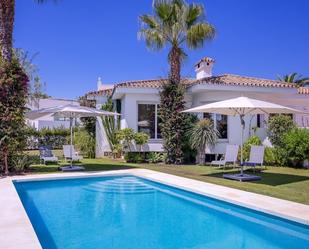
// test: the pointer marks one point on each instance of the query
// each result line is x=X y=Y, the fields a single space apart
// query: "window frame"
x=156 y=104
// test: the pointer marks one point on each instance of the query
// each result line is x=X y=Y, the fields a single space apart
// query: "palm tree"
x=296 y=78
x=175 y=23
x=7 y=14
x=203 y=133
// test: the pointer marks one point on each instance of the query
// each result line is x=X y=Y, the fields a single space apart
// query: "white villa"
x=49 y=121
x=138 y=101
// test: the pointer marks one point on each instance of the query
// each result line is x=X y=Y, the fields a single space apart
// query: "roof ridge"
x=258 y=78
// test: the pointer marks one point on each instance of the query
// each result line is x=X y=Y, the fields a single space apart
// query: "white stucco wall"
x=201 y=94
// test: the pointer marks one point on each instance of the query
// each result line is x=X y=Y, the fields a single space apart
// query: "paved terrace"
x=16 y=231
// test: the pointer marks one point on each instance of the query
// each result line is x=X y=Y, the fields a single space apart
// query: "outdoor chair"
x=230 y=156
x=67 y=153
x=256 y=156
x=46 y=155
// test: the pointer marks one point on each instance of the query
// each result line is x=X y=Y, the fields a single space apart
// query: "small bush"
x=134 y=157
x=85 y=143
x=21 y=162
x=270 y=156
x=279 y=125
x=295 y=147
x=156 y=157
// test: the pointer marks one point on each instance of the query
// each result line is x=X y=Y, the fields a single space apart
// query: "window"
x=148 y=120
x=220 y=123
x=258 y=120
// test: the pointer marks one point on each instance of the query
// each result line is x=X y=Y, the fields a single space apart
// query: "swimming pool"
x=127 y=212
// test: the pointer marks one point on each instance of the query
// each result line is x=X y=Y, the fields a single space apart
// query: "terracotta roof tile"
x=237 y=80
x=225 y=79
x=303 y=90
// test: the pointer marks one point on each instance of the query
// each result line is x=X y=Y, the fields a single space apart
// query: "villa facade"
x=138 y=102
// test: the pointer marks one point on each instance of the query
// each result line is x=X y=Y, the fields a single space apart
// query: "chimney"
x=99 y=84
x=203 y=68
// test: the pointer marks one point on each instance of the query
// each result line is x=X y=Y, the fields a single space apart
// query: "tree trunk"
x=7 y=8
x=175 y=65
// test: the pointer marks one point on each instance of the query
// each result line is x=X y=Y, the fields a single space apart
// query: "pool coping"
x=16 y=230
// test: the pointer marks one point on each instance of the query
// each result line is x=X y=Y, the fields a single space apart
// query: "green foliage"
x=295 y=147
x=140 y=138
x=202 y=134
x=296 y=78
x=270 y=156
x=278 y=125
x=254 y=140
x=189 y=154
x=125 y=136
x=175 y=23
x=111 y=126
x=55 y=137
x=133 y=157
x=85 y=143
x=20 y=162
x=156 y=157
x=173 y=122
x=89 y=123
x=13 y=98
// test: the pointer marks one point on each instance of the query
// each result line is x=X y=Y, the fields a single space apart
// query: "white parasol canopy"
x=69 y=111
x=242 y=106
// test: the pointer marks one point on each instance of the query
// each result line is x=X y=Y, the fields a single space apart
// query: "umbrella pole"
x=71 y=128
x=242 y=121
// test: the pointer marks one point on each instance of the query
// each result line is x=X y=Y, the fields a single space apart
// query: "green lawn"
x=282 y=182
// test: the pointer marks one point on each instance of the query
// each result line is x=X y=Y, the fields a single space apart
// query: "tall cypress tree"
x=173 y=123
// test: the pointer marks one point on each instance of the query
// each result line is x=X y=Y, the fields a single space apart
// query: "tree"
x=176 y=24
x=13 y=98
x=202 y=134
x=296 y=78
x=37 y=92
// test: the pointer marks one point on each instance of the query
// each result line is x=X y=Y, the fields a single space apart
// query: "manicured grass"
x=281 y=182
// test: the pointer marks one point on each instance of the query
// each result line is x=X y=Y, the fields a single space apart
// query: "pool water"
x=126 y=212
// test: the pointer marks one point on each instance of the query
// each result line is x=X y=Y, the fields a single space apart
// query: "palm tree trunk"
x=7 y=9
x=175 y=64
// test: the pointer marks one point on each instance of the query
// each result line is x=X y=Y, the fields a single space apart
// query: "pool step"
x=124 y=185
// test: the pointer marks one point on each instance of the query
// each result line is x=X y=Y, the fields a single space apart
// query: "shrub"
x=20 y=162
x=278 y=125
x=295 y=147
x=254 y=140
x=125 y=136
x=270 y=156
x=202 y=134
x=140 y=138
x=155 y=157
x=133 y=157
x=85 y=143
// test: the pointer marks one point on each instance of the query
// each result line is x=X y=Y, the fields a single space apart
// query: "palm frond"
x=153 y=38
x=194 y=14
x=198 y=34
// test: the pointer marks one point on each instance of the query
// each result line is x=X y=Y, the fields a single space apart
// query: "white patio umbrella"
x=72 y=112
x=241 y=107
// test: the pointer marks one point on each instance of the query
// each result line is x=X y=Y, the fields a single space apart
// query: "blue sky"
x=79 y=40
